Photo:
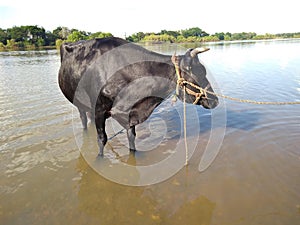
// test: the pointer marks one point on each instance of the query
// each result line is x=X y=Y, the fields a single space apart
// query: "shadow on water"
x=242 y=119
x=172 y=116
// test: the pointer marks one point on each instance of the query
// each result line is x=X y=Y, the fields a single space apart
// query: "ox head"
x=193 y=74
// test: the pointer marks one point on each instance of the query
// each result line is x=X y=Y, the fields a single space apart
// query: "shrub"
x=58 y=43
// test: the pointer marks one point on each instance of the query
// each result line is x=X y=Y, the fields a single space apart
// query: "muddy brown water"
x=255 y=178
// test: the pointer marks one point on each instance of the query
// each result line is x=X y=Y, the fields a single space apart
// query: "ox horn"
x=196 y=51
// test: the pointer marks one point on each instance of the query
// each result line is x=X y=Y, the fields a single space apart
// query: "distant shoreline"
x=251 y=40
x=34 y=37
x=145 y=43
x=28 y=49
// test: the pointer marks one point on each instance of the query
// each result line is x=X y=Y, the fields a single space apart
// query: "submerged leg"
x=83 y=118
x=131 y=138
x=102 y=137
x=91 y=116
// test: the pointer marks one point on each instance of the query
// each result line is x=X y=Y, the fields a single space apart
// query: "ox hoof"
x=100 y=154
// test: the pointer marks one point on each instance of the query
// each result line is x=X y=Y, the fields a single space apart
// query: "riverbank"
x=214 y=43
x=8 y=49
x=147 y=43
x=217 y=42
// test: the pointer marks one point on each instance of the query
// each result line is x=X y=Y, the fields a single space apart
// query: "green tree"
x=27 y=44
x=181 y=38
x=269 y=36
x=2 y=46
x=17 y=33
x=28 y=34
x=11 y=44
x=236 y=36
x=62 y=32
x=136 y=37
x=227 y=37
x=77 y=36
x=210 y=38
x=3 y=36
x=34 y=33
x=221 y=36
x=243 y=36
x=50 y=38
x=195 y=31
x=171 y=33
x=228 y=34
x=40 y=42
x=159 y=37
x=57 y=33
x=99 y=35
x=193 y=39
x=296 y=35
x=58 y=43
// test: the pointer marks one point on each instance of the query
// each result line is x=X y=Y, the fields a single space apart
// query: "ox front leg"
x=131 y=138
x=102 y=137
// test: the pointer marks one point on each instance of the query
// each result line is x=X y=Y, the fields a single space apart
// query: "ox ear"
x=196 y=51
x=69 y=48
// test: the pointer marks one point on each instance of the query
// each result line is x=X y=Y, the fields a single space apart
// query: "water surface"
x=255 y=179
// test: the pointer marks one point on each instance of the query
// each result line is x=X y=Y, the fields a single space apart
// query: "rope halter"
x=181 y=83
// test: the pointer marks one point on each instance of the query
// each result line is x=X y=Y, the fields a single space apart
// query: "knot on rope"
x=181 y=81
x=197 y=97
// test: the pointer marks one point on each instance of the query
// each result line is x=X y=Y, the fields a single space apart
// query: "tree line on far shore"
x=31 y=37
x=196 y=34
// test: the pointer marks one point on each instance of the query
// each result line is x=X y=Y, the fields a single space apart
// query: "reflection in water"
x=255 y=179
x=117 y=204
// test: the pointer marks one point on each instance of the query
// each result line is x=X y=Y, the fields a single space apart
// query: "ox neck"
x=171 y=73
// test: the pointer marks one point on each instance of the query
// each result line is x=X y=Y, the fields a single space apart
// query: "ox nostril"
x=214 y=103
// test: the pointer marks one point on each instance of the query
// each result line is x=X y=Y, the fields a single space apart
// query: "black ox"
x=111 y=77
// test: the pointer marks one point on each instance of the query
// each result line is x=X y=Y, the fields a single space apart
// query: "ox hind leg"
x=83 y=118
x=100 y=127
x=131 y=138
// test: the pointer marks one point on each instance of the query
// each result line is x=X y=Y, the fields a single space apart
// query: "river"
x=48 y=177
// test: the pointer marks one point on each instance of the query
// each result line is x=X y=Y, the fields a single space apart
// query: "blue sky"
x=120 y=17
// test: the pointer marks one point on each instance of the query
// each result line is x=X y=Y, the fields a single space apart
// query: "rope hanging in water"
x=184 y=129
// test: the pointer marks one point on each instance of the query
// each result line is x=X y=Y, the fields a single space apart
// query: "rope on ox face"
x=181 y=82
